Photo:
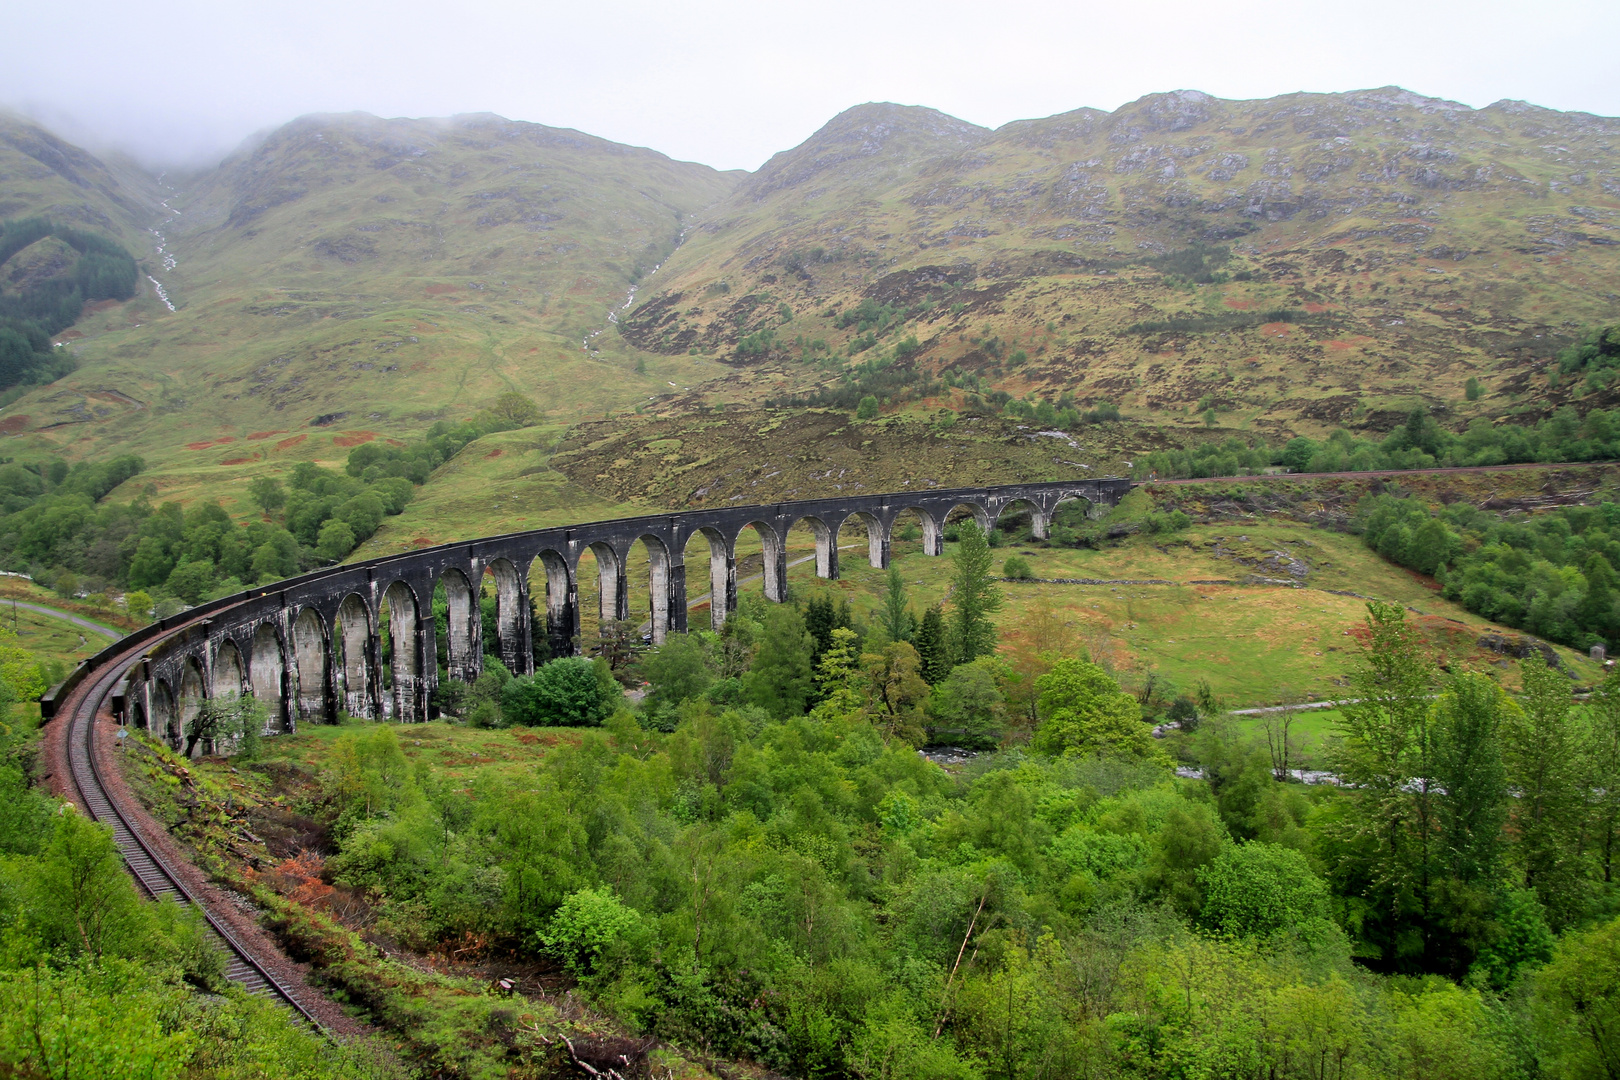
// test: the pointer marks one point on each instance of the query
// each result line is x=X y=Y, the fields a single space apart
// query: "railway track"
x=75 y=721
x=1516 y=467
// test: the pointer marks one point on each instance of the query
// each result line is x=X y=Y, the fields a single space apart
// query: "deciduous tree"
x=1084 y=712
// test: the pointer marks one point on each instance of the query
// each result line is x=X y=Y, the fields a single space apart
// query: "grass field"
x=50 y=638
x=1255 y=644
x=452 y=750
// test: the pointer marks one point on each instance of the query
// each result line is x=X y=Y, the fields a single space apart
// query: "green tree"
x=96 y=1024
x=779 y=680
x=1256 y=890
x=336 y=540
x=1543 y=750
x=823 y=615
x=1467 y=718
x=1576 y=1002
x=151 y=563
x=896 y=692
x=227 y=722
x=20 y=673
x=25 y=814
x=678 y=669
x=276 y=558
x=1084 y=713
x=1021 y=1016
x=542 y=852
x=1521 y=941
x=867 y=409
x=1017 y=567
x=363 y=514
x=267 y=493
x=838 y=676
x=967 y=707
x=66 y=584
x=1597 y=609
x=512 y=410
x=1603 y=777
x=563 y=693
x=1471 y=389
x=934 y=646
x=191 y=580
x=895 y=616
x=83 y=900
x=138 y=604
x=1385 y=754
x=974 y=596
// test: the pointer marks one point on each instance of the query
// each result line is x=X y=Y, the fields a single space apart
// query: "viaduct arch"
x=362 y=637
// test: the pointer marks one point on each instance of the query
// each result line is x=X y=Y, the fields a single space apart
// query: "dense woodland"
x=1420 y=443
x=757 y=863
x=1553 y=574
x=57 y=526
x=92 y=267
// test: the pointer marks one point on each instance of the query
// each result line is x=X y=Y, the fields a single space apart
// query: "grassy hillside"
x=356 y=278
x=1268 y=268
x=1140 y=256
x=43 y=174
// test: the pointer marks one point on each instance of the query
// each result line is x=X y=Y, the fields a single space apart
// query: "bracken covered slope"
x=1292 y=264
x=1414 y=242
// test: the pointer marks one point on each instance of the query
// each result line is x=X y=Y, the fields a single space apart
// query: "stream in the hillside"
x=163 y=252
x=630 y=297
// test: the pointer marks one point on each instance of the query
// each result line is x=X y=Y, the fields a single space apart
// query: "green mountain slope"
x=1292 y=264
x=349 y=277
x=43 y=174
x=1415 y=242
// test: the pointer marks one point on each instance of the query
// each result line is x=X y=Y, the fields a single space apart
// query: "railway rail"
x=75 y=723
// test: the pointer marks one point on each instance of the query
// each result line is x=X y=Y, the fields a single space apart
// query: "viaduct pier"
x=312 y=645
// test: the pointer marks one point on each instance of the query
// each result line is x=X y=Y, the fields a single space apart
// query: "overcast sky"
x=729 y=84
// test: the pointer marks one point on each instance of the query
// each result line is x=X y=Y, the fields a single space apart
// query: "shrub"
x=1017 y=567
x=564 y=693
x=335 y=541
x=1257 y=889
x=868 y=408
x=587 y=924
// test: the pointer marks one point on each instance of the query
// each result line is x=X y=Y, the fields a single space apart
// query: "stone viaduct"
x=310 y=646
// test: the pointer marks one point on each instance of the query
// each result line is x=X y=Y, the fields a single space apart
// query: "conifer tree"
x=898 y=622
x=933 y=646
x=974 y=597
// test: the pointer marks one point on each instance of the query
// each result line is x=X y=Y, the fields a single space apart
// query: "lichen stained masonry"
x=311 y=646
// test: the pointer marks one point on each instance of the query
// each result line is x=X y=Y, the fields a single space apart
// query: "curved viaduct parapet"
x=361 y=637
